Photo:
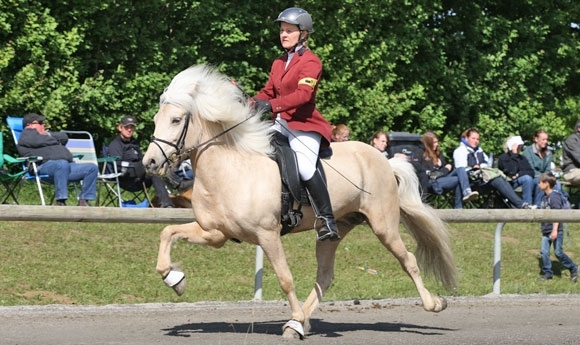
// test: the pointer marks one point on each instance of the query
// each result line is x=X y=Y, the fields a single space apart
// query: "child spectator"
x=553 y=232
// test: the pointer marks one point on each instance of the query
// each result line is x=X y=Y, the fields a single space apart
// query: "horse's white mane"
x=209 y=95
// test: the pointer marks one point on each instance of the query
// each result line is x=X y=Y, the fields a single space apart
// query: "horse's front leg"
x=192 y=233
x=274 y=251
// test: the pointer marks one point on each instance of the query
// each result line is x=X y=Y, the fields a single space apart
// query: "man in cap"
x=127 y=148
x=57 y=160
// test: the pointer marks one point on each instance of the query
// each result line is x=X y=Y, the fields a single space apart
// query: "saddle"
x=293 y=190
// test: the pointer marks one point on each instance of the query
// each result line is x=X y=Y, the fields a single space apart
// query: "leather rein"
x=181 y=141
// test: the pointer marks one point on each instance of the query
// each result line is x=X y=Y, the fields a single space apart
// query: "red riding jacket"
x=292 y=93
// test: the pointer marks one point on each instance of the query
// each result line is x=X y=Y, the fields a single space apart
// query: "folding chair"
x=29 y=166
x=82 y=146
x=10 y=181
x=133 y=196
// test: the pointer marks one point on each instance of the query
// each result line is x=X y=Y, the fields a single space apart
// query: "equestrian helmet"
x=296 y=16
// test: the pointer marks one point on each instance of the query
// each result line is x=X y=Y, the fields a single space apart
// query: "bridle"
x=174 y=157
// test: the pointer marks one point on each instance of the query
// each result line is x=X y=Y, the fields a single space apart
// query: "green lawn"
x=91 y=263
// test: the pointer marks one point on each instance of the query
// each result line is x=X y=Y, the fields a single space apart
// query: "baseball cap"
x=30 y=118
x=128 y=120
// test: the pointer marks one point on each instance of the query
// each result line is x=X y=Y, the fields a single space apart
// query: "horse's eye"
x=176 y=120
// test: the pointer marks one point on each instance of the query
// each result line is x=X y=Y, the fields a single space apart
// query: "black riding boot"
x=320 y=201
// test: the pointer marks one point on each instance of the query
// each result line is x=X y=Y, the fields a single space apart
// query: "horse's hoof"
x=180 y=287
x=175 y=280
x=293 y=330
x=439 y=304
x=443 y=301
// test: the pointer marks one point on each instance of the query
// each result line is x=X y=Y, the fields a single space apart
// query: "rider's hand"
x=262 y=106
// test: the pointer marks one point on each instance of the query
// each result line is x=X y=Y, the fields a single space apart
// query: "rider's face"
x=289 y=35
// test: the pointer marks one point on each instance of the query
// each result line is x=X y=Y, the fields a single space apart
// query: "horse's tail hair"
x=434 y=254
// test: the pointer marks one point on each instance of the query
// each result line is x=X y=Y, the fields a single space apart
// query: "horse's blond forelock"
x=203 y=92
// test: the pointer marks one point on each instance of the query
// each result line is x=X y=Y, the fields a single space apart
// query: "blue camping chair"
x=29 y=166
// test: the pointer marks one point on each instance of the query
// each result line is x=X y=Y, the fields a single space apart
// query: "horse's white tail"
x=433 y=253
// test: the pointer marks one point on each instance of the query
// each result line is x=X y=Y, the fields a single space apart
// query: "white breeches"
x=305 y=144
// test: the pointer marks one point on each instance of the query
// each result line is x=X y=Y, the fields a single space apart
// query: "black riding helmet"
x=298 y=17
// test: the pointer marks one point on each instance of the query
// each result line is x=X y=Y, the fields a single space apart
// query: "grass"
x=98 y=264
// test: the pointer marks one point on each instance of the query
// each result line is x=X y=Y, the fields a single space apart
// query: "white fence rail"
x=172 y=216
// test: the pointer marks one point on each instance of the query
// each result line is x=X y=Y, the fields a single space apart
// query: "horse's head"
x=201 y=107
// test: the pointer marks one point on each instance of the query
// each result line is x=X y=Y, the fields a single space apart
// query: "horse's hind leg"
x=325 y=256
x=391 y=239
x=190 y=232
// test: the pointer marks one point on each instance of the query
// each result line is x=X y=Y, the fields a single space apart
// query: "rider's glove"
x=262 y=106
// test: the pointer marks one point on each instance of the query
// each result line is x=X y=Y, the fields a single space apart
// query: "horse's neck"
x=219 y=164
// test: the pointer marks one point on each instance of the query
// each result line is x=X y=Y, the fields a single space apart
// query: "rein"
x=181 y=141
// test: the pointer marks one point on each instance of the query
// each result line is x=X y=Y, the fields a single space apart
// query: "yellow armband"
x=308 y=81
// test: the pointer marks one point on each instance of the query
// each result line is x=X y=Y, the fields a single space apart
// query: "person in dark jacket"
x=553 y=232
x=437 y=176
x=57 y=160
x=127 y=148
x=518 y=169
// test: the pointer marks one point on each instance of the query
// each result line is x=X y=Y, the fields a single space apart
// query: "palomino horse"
x=237 y=192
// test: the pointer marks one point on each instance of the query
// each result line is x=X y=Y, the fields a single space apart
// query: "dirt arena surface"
x=504 y=319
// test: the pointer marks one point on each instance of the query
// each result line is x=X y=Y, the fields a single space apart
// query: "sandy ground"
x=504 y=319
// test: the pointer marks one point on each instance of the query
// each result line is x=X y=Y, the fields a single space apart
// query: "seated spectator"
x=471 y=157
x=340 y=132
x=379 y=141
x=57 y=160
x=540 y=159
x=571 y=157
x=437 y=175
x=517 y=168
x=127 y=148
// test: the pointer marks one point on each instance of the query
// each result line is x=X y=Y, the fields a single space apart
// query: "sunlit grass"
x=90 y=263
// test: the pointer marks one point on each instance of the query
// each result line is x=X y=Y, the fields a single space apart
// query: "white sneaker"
x=470 y=196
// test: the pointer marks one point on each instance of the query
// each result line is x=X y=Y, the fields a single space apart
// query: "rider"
x=290 y=96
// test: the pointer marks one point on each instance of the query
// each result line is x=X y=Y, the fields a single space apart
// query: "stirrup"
x=325 y=233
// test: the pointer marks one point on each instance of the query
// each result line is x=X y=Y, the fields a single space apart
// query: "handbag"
x=489 y=173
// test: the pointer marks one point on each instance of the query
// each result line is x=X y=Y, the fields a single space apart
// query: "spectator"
x=540 y=159
x=440 y=175
x=571 y=157
x=127 y=148
x=517 y=168
x=553 y=233
x=289 y=97
x=181 y=178
x=380 y=140
x=57 y=162
x=471 y=157
x=340 y=132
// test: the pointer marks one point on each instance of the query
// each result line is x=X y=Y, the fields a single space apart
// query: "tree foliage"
x=445 y=65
